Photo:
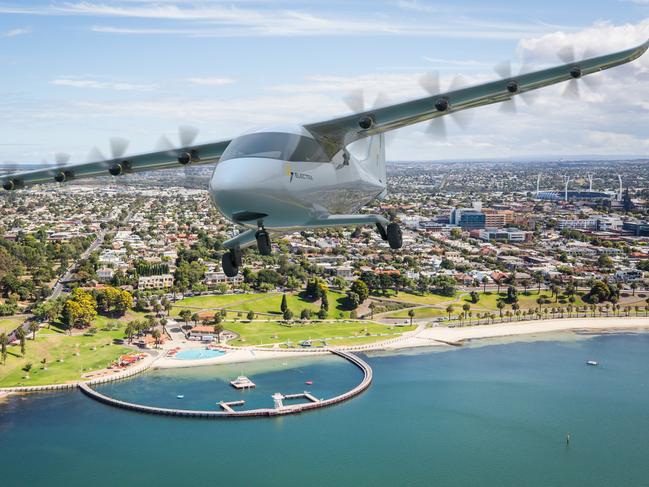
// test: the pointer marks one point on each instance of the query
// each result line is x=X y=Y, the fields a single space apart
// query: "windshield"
x=276 y=145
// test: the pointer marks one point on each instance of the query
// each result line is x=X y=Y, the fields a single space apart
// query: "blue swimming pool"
x=198 y=354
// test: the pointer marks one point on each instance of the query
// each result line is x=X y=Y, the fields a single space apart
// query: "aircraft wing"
x=337 y=133
x=165 y=159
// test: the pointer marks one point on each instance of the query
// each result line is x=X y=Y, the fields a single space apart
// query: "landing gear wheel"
x=263 y=242
x=230 y=262
x=381 y=229
x=395 y=238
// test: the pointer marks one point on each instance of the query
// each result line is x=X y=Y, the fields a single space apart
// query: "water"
x=197 y=354
x=491 y=416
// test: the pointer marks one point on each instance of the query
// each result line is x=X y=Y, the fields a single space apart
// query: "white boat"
x=592 y=362
x=180 y=396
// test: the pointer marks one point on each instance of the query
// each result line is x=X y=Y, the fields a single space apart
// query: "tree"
x=20 y=333
x=372 y=307
x=512 y=294
x=449 y=310
x=322 y=314
x=288 y=315
x=466 y=307
x=305 y=314
x=411 y=315
x=156 y=336
x=195 y=318
x=284 y=305
x=250 y=315
x=485 y=281
x=185 y=315
x=634 y=286
x=500 y=305
x=360 y=289
x=218 y=329
x=4 y=341
x=474 y=297
x=33 y=328
x=604 y=262
x=324 y=301
x=353 y=300
x=218 y=317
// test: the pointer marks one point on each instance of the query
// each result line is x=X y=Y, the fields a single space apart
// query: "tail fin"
x=375 y=160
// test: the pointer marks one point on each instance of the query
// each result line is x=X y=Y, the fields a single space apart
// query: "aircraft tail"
x=375 y=160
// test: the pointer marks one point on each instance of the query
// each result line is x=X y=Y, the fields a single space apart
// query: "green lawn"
x=9 y=324
x=54 y=344
x=431 y=299
x=259 y=333
x=489 y=300
x=262 y=303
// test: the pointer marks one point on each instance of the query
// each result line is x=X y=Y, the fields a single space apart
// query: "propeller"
x=504 y=71
x=355 y=101
x=437 y=127
x=568 y=56
x=186 y=135
x=118 y=147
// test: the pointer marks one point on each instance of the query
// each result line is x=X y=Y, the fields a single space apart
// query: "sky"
x=76 y=73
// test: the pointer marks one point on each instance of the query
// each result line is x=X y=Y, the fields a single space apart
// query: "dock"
x=227 y=406
x=300 y=395
x=242 y=382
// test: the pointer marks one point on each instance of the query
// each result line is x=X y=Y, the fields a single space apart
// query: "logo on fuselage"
x=297 y=175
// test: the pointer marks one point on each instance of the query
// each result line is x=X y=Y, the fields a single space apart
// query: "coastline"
x=437 y=336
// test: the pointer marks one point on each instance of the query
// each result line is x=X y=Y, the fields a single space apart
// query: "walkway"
x=290 y=409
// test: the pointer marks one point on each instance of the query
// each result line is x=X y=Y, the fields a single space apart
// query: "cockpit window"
x=276 y=145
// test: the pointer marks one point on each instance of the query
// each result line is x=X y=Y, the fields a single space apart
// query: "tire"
x=228 y=264
x=263 y=242
x=395 y=238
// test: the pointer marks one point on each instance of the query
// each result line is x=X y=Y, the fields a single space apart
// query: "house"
x=155 y=282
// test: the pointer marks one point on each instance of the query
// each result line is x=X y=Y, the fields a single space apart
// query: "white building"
x=155 y=282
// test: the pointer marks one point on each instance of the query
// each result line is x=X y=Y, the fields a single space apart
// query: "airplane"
x=282 y=179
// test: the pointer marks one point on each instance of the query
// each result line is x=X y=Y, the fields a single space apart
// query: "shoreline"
x=440 y=337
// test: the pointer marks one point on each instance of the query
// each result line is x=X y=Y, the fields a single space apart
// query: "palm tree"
x=485 y=281
x=156 y=336
x=411 y=315
x=20 y=333
x=449 y=310
x=33 y=328
x=634 y=286
x=4 y=341
x=500 y=305
x=195 y=318
x=218 y=329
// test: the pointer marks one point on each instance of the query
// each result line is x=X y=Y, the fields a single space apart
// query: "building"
x=637 y=228
x=162 y=281
x=510 y=235
x=218 y=277
x=468 y=218
x=105 y=274
x=498 y=218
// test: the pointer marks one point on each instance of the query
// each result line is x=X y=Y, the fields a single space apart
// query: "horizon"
x=81 y=72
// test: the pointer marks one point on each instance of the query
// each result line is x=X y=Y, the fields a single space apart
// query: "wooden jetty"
x=227 y=406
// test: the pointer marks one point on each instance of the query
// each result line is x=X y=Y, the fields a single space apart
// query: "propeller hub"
x=184 y=158
x=60 y=177
x=365 y=122
x=512 y=87
x=441 y=104
x=116 y=169
x=9 y=184
x=575 y=72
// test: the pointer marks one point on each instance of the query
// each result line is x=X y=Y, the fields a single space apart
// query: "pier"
x=229 y=412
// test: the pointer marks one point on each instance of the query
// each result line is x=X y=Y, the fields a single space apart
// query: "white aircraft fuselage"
x=281 y=179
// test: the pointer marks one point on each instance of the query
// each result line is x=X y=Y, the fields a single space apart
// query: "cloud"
x=102 y=85
x=216 y=20
x=17 y=32
x=211 y=81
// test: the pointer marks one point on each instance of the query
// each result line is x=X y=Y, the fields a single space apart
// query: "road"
x=57 y=290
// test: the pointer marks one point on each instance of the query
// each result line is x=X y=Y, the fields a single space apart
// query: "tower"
x=277 y=400
x=566 y=180
x=590 y=182
x=619 y=193
x=538 y=184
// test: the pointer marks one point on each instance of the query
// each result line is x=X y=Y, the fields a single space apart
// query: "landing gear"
x=231 y=261
x=263 y=242
x=394 y=236
x=381 y=229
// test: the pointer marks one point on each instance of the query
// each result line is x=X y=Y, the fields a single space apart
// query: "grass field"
x=9 y=324
x=262 y=303
x=419 y=313
x=430 y=299
x=260 y=333
x=53 y=344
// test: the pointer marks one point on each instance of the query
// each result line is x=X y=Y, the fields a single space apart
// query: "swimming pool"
x=198 y=354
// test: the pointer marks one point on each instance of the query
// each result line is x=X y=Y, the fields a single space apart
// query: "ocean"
x=496 y=414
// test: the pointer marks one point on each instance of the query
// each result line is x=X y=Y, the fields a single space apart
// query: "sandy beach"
x=423 y=336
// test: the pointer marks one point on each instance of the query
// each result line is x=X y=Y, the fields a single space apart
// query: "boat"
x=180 y=396
x=592 y=362
x=309 y=383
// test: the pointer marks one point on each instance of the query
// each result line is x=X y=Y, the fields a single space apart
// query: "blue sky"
x=78 y=72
